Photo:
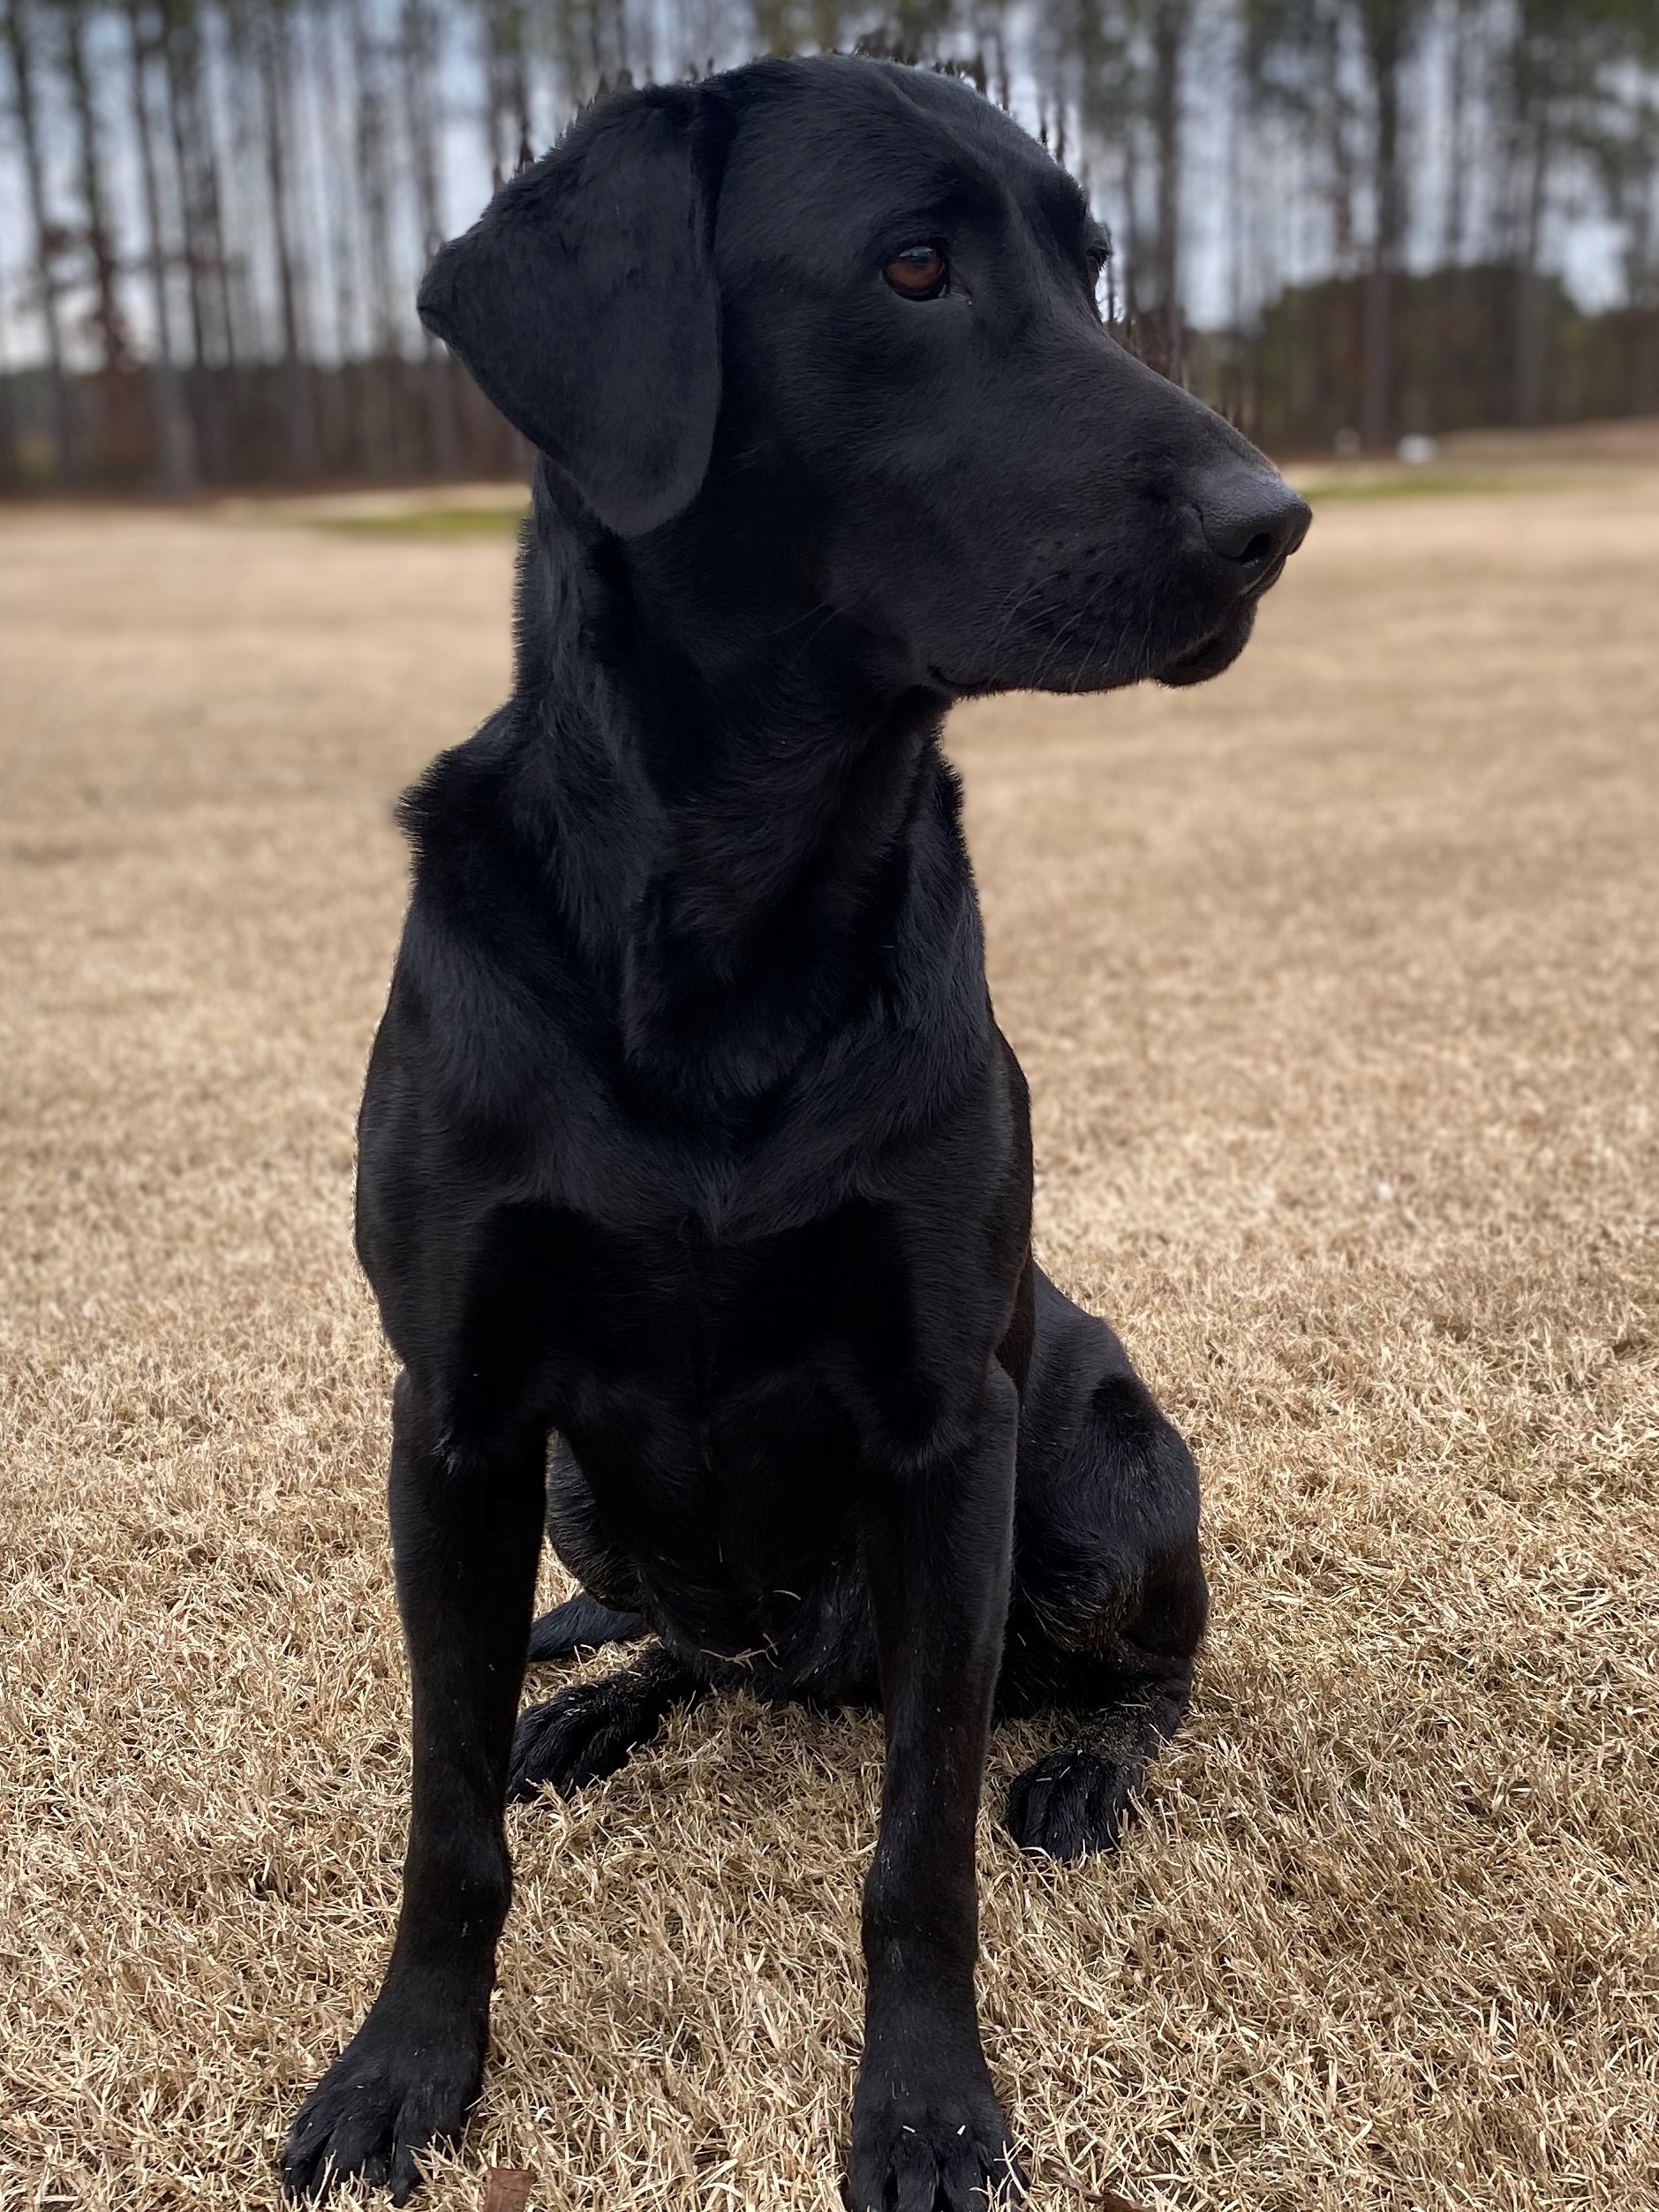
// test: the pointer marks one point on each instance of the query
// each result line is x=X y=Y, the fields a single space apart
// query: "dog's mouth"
x=1218 y=650
x=1224 y=644
x=958 y=687
x=1215 y=650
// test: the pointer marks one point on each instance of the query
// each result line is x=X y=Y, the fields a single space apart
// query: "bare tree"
x=109 y=316
x=1461 y=49
x=287 y=164
x=213 y=322
x=175 y=463
x=1171 y=24
x=11 y=444
x=48 y=236
x=370 y=140
x=507 y=117
x=1531 y=74
x=299 y=400
x=421 y=121
x=1387 y=31
x=1094 y=40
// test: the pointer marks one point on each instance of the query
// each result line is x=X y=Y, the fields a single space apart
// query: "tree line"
x=1337 y=219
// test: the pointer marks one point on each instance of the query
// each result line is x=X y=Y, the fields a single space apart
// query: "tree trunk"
x=1452 y=238
x=384 y=366
x=109 y=319
x=1642 y=284
x=299 y=398
x=22 y=56
x=211 y=322
x=1384 y=53
x=360 y=400
x=175 y=463
x=1236 y=404
x=438 y=387
x=507 y=95
x=1531 y=295
x=1001 y=77
x=1339 y=152
x=11 y=452
x=518 y=86
x=1171 y=22
x=1131 y=236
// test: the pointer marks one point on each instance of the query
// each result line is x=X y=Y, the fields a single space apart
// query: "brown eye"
x=918 y=273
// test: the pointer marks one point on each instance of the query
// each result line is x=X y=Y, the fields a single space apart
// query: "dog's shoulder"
x=482 y=959
x=456 y=814
x=483 y=906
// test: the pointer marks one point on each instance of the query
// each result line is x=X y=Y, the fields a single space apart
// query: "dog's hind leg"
x=1109 y=1603
x=588 y=1730
x=1078 y=1799
x=582 y=1624
x=578 y=1538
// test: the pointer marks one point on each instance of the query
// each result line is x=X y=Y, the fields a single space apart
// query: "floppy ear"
x=584 y=305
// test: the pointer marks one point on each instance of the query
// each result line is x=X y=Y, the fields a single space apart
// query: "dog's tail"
x=582 y=1624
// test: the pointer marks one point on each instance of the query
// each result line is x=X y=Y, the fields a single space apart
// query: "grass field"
x=1338 y=982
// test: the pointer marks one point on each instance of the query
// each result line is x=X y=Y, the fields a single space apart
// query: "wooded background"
x=1338 y=220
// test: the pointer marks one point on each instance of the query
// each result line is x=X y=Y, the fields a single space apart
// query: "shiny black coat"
x=689 y=1139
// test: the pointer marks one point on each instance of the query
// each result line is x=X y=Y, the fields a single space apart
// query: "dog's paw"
x=938 y=2150
x=1072 y=1803
x=395 y=2089
x=584 y=1733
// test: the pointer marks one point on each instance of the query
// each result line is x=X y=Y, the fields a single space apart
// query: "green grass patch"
x=1428 y=483
x=429 y=521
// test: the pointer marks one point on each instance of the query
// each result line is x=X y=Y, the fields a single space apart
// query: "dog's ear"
x=584 y=305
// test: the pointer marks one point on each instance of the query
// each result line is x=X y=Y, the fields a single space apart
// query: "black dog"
x=688 y=1131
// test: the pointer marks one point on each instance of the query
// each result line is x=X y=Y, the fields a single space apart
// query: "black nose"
x=1252 y=520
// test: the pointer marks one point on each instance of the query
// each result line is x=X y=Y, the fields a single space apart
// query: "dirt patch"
x=1338 y=982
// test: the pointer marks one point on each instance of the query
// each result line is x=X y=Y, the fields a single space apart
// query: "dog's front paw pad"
x=383 y=2100
x=1070 y=1803
x=579 y=1737
x=932 y=2155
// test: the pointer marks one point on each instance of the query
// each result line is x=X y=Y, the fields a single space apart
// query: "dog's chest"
x=717 y=1401
x=665 y=1345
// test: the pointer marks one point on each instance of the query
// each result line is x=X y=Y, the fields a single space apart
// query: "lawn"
x=1338 y=985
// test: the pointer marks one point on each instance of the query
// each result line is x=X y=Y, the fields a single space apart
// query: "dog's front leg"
x=927 y=2130
x=466 y=1518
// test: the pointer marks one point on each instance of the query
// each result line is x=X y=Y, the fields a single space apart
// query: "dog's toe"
x=932 y=2154
x=1072 y=1803
x=386 y=2098
x=579 y=1737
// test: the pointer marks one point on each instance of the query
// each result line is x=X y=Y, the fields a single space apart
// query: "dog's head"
x=831 y=325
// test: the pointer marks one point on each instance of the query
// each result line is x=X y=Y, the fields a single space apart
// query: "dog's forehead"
x=836 y=148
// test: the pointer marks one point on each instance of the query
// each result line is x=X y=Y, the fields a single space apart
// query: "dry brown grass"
x=1337 y=985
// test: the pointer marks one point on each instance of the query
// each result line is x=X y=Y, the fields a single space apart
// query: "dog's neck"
x=752 y=749
x=729 y=802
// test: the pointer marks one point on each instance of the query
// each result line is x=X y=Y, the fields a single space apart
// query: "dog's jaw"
x=1215 y=653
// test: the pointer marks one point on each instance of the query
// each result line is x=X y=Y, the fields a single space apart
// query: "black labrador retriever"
x=689 y=1133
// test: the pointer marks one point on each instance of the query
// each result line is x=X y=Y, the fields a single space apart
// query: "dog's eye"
x=917 y=273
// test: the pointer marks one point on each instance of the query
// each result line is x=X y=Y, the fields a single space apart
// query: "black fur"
x=689 y=1133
